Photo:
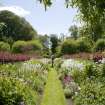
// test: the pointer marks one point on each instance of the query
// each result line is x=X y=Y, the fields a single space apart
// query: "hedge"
x=4 y=46
x=26 y=46
x=69 y=47
x=83 y=45
x=18 y=46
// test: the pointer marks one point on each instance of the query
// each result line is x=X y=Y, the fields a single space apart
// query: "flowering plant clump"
x=71 y=64
x=8 y=57
x=45 y=60
x=97 y=58
x=103 y=60
x=70 y=87
x=33 y=66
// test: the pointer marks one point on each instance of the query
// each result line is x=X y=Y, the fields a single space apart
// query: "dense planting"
x=22 y=83
x=13 y=92
x=6 y=57
x=80 y=77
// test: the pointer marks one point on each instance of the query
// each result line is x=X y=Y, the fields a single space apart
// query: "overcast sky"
x=55 y=20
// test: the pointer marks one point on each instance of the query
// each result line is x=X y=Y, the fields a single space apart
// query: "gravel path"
x=69 y=102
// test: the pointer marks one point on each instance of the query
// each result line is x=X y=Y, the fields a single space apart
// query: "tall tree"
x=16 y=28
x=54 y=41
x=92 y=12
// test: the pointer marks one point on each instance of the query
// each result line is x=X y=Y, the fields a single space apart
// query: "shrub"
x=4 y=46
x=83 y=45
x=34 y=45
x=69 y=47
x=99 y=45
x=70 y=89
x=14 y=92
x=26 y=46
x=68 y=92
x=18 y=46
x=54 y=94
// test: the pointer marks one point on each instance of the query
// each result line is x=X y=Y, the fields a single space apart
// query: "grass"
x=53 y=94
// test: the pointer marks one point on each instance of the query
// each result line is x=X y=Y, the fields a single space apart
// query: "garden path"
x=69 y=102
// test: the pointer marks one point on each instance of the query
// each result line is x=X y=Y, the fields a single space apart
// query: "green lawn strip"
x=53 y=94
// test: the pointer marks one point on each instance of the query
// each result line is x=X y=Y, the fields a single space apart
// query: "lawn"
x=53 y=94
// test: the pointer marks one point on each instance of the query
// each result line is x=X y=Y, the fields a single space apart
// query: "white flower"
x=103 y=60
x=71 y=64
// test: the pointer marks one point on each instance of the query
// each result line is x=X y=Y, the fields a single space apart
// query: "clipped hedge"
x=99 y=45
x=35 y=45
x=4 y=46
x=18 y=46
x=69 y=47
x=26 y=46
x=14 y=92
x=54 y=94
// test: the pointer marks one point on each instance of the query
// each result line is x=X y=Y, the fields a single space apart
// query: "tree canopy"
x=16 y=28
x=54 y=40
x=92 y=12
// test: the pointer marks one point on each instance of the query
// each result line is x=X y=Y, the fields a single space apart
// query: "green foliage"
x=91 y=93
x=47 y=3
x=70 y=89
x=103 y=70
x=74 y=31
x=26 y=46
x=69 y=47
x=68 y=92
x=53 y=94
x=54 y=41
x=83 y=45
x=78 y=76
x=2 y=25
x=91 y=70
x=92 y=13
x=100 y=45
x=34 y=45
x=18 y=46
x=31 y=73
x=4 y=46
x=16 y=27
x=92 y=85
x=13 y=92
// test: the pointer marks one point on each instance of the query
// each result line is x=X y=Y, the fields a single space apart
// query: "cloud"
x=16 y=9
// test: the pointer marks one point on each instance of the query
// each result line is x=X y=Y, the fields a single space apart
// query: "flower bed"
x=84 y=56
x=6 y=57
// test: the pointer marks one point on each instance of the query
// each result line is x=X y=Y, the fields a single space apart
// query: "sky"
x=57 y=19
